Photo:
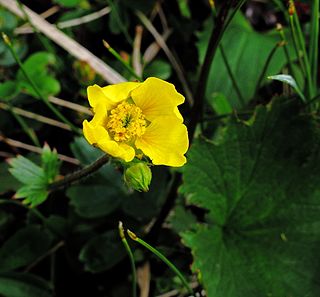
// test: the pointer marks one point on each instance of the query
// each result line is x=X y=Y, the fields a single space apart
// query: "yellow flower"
x=132 y=118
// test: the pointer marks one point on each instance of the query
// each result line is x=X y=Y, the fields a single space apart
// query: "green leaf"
x=181 y=219
x=247 y=52
x=50 y=163
x=8 y=21
x=7 y=181
x=36 y=66
x=158 y=68
x=68 y=3
x=6 y=58
x=220 y=104
x=9 y=89
x=86 y=154
x=37 y=62
x=102 y=252
x=26 y=171
x=184 y=8
x=260 y=187
x=23 y=285
x=92 y=201
x=45 y=83
x=288 y=79
x=25 y=246
x=33 y=194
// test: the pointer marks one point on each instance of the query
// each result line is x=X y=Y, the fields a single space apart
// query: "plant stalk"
x=134 y=237
x=130 y=254
x=35 y=87
x=78 y=175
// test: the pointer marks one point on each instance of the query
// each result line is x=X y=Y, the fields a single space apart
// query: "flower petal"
x=118 y=150
x=96 y=97
x=165 y=141
x=156 y=98
x=98 y=136
x=119 y=92
x=100 y=116
x=94 y=133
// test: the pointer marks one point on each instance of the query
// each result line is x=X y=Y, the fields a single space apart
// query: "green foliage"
x=93 y=201
x=247 y=52
x=158 y=68
x=23 y=285
x=25 y=246
x=9 y=89
x=7 y=181
x=68 y=3
x=35 y=179
x=102 y=252
x=288 y=79
x=260 y=188
x=37 y=67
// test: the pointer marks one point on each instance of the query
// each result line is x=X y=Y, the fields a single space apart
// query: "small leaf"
x=33 y=194
x=68 y=3
x=102 y=252
x=158 y=68
x=220 y=104
x=23 y=285
x=26 y=171
x=92 y=201
x=7 y=181
x=25 y=246
x=288 y=79
x=50 y=163
x=9 y=89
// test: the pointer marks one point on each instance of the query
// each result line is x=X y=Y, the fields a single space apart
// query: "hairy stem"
x=78 y=175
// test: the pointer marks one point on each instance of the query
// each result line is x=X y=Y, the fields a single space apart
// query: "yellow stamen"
x=126 y=121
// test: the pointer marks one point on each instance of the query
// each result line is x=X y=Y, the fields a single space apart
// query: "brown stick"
x=70 y=45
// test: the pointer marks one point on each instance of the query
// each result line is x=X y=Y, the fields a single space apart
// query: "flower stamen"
x=126 y=121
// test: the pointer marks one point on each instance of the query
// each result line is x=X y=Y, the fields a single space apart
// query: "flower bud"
x=138 y=176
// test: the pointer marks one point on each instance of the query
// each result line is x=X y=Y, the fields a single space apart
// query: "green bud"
x=138 y=176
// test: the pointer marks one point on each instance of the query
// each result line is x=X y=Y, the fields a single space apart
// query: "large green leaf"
x=92 y=201
x=23 y=285
x=102 y=252
x=25 y=246
x=260 y=186
x=247 y=52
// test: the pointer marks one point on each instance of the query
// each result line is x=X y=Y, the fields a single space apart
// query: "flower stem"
x=227 y=64
x=134 y=237
x=35 y=87
x=32 y=135
x=285 y=48
x=130 y=254
x=121 y=60
x=302 y=46
x=78 y=175
x=214 y=41
x=266 y=65
x=314 y=41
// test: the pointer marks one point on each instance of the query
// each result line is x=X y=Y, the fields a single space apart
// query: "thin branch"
x=70 y=45
x=35 y=116
x=34 y=149
x=45 y=255
x=70 y=105
x=78 y=175
x=154 y=48
x=136 y=55
x=214 y=41
x=157 y=36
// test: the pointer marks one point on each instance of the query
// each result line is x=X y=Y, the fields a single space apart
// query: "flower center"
x=126 y=121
